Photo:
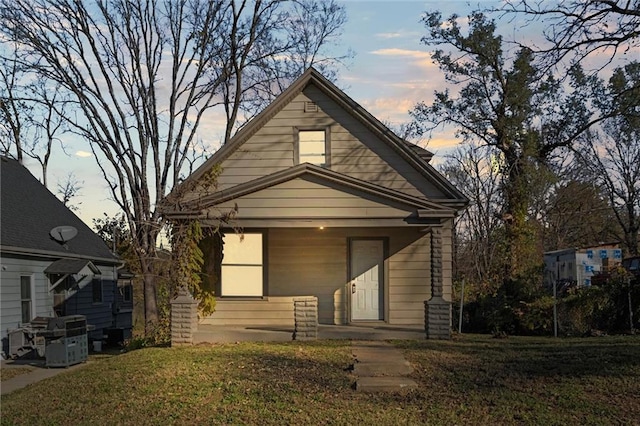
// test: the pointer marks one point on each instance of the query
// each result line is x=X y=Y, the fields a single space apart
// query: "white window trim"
x=327 y=144
x=262 y=267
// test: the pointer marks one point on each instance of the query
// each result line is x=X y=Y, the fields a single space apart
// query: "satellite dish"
x=64 y=233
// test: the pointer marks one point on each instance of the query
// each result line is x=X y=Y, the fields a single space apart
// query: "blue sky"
x=390 y=73
x=392 y=70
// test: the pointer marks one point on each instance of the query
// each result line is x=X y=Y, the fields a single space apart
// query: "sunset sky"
x=391 y=71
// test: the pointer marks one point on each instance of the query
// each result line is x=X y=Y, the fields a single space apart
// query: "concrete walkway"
x=38 y=372
x=380 y=367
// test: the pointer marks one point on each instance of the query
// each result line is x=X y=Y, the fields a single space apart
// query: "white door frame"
x=382 y=280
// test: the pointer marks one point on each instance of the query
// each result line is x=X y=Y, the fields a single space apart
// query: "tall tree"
x=507 y=103
x=141 y=76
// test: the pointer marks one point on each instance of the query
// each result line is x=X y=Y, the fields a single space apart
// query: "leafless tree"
x=577 y=214
x=581 y=27
x=68 y=189
x=29 y=122
x=612 y=157
x=476 y=171
x=611 y=152
x=13 y=110
x=141 y=77
x=266 y=56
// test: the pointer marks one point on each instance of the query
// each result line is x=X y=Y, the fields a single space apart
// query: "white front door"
x=367 y=262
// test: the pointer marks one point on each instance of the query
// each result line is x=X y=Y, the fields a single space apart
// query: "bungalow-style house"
x=330 y=204
x=52 y=264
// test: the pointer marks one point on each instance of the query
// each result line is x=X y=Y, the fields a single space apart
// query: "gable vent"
x=310 y=106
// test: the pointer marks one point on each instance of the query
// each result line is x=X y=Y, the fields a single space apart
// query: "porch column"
x=184 y=318
x=437 y=311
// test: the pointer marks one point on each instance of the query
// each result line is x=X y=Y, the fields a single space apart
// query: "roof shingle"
x=28 y=212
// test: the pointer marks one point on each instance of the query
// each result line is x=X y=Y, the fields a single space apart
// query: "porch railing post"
x=437 y=315
x=184 y=318
x=305 y=311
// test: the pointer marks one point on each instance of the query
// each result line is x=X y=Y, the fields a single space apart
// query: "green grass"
x=470 y=380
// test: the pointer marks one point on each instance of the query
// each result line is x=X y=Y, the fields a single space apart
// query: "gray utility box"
x=71 y=343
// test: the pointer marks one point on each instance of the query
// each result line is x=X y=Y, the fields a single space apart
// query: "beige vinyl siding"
x=354 y=150
x=302 y=198
x=310 y=262
x=409 y=280
x=274 y=311
x=313 y=262
x=357 y=152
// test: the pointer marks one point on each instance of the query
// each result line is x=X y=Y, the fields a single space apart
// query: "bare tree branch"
x=141 y=77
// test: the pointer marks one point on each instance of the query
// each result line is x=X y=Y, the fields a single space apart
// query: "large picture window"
x=27 y=299
x=312 y=147
x=242 y=269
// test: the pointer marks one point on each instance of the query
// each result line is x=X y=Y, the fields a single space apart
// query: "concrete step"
x=378 y=355
x=378 y=369
x=385 y=384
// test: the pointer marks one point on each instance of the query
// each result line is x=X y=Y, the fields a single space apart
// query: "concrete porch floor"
x=248 y=333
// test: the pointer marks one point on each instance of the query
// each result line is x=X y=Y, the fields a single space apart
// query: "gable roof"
x=29 y=211
x=416 y=156
x=421 y=205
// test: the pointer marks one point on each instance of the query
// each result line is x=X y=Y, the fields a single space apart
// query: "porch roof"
x=417 y=208
x=70 y=266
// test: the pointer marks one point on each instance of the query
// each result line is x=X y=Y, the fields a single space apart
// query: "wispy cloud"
x=83 y=154
x=389 y=35
x=417 y=56
x=398 y=34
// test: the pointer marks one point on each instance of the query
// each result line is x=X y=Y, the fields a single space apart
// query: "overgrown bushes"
x=526 y=309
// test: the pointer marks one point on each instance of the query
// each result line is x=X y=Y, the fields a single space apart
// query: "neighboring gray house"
x=332 y=204
x=46 y=275
x=579 y=265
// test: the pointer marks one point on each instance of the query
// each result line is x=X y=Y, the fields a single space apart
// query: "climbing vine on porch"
x=188 y=261
x=191 y=228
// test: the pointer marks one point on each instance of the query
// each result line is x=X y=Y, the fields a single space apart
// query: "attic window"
x=312 y=147
x=310 y=106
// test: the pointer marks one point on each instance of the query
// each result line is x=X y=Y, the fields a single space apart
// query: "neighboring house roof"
x=29 y=211
x=416 y=156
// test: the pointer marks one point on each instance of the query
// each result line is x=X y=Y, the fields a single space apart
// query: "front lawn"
x=471 y=380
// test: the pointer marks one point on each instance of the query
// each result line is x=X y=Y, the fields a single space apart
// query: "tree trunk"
x=151 y=316
x=521 y=244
